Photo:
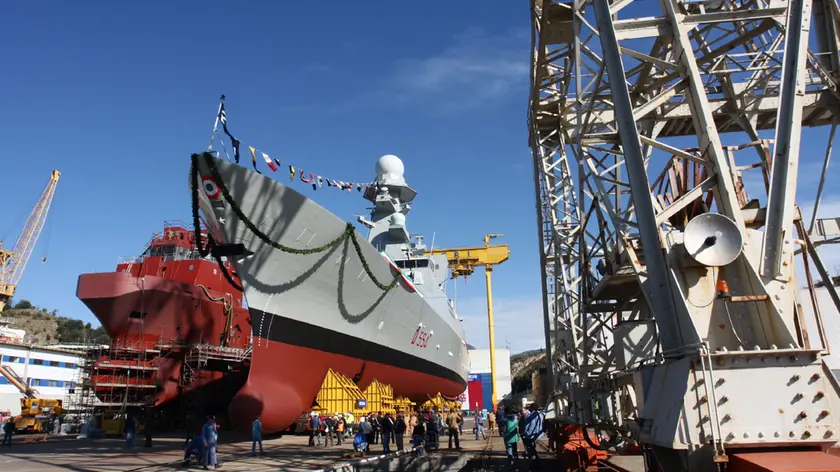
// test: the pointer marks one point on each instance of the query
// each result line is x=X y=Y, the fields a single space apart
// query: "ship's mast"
x=392 y=199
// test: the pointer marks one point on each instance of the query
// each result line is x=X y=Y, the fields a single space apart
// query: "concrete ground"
x=289 y=453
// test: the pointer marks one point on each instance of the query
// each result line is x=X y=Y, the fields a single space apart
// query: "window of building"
x=36 y=361
x=4 y=381
x=19 y=360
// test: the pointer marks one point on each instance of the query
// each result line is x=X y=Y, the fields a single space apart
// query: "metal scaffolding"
x=646 y=118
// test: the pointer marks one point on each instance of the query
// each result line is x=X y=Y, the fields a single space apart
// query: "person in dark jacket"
x=130 y=430
x=399 y=431
x=375 y=420
x=149 y=429
x=8 y=431
x=418 y=436
x=386 y=424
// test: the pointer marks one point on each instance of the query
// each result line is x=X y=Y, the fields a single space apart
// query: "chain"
x=349 y=230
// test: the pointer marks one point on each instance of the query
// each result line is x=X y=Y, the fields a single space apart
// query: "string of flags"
x=316 y=181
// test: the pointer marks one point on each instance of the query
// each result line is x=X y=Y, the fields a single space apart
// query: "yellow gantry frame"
x=462 y=262
x=12 y=263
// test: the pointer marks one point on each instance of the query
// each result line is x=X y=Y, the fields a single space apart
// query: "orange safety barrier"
x=573 y=450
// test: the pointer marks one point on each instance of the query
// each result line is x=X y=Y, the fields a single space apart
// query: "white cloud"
x=518 y=322
x=475 y=70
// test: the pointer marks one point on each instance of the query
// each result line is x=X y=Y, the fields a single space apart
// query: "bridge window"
x=412 y=263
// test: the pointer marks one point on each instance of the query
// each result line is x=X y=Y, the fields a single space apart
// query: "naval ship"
x=323 y=297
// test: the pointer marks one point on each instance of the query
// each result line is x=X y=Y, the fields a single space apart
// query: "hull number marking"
x=421 y=338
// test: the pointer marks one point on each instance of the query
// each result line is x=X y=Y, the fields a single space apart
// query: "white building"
x=479 y=383
x=51 y=372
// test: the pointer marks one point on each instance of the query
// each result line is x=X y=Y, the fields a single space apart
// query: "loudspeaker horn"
x=713 y=239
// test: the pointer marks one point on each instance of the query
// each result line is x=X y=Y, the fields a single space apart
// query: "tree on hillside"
x=24 y=305
x=38 y=323
x=72 y=331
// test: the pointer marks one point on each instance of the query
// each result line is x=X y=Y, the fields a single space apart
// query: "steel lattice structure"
x=643 y=117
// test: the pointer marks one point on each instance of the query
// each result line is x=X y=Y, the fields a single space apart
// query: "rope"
x=349 y=230
x=228 y=311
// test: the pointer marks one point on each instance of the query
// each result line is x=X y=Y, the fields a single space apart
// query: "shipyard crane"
x=462 y=262
x=13 y=262
x=673 y=317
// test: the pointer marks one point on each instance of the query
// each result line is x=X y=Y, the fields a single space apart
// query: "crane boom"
x=462 y=262
x=12 y=263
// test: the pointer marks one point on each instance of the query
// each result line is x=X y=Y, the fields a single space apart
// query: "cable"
x=734 y=332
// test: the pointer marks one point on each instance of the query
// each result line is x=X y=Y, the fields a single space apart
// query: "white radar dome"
x=397 y=219
x=391 y=165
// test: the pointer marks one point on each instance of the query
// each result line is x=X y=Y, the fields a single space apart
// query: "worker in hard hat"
x=339 y=428
x=350 y=425
x=314 y=428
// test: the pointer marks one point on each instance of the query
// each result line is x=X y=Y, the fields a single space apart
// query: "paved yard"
x=108 y=455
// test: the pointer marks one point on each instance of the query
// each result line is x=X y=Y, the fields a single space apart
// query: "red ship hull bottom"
x=284 y=380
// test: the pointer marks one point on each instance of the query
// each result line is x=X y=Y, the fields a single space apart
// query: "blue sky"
x=116 y=95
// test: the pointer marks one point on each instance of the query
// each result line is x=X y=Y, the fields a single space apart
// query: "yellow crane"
x=463 y=262
x=13 y=262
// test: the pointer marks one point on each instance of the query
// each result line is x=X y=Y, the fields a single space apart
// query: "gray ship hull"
x=312 y=312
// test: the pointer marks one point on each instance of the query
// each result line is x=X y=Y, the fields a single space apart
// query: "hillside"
x=524 y=364
x=43 y=326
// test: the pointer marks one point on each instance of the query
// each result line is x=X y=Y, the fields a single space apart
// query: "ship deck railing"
x=209 y=351
x=110 y=365
x=124 y=384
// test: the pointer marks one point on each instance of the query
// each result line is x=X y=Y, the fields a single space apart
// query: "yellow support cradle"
x=380 y=397
x=339 y=394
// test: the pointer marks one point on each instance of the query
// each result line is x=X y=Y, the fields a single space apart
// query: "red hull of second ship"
x=165 y=301
x=284 y=380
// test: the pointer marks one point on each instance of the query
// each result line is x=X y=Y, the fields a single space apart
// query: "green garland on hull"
x=349 y=230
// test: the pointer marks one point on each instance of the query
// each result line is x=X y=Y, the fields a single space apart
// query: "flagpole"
x=216 y=123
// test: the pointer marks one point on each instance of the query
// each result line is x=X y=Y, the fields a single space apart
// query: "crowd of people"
x=421 y=430
x=425 y=428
